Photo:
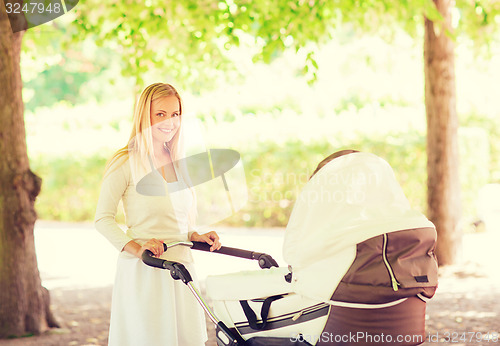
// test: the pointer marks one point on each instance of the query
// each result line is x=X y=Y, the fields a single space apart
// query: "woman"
x=148 y=307
x=374 y=263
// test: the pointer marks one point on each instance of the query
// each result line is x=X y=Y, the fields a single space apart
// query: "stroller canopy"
x=351 y=199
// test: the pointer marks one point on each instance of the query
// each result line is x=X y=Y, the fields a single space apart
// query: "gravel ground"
x=464 y=311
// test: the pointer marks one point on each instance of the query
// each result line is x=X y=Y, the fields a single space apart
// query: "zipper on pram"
x=394 y=281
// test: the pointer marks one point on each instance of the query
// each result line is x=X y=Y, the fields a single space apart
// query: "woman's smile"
x=165 y=130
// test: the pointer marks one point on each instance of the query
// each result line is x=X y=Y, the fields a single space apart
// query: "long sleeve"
x=112 y=190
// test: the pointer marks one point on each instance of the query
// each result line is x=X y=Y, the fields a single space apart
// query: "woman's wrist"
x=133 y=248
x=191 y=235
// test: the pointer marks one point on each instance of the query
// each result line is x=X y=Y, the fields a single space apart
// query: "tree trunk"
x=443 y=199
x=24 y=303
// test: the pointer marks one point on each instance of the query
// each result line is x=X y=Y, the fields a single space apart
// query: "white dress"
x=148 y=306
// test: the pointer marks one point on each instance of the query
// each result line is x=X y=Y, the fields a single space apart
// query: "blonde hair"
x=140 y=140
x=140 y=145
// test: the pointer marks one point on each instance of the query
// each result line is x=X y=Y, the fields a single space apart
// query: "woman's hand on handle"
x=211 y=238
x=153 y=245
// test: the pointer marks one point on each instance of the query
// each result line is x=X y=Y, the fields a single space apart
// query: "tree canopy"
x=181 y=36
x=190 y=40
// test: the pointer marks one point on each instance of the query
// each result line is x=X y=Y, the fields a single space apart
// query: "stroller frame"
x=224 y=335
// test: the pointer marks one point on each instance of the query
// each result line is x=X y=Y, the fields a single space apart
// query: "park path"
x=77 y=265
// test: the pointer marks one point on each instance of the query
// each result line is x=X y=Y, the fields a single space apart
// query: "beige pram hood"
x=352 y=198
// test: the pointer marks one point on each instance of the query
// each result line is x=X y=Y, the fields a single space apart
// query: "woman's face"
x=165 y=118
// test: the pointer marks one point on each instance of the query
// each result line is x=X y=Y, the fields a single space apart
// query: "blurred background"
x=283 y=85
x=368 y=95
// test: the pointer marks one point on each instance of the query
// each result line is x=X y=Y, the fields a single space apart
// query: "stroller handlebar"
x=149 y=259
x=265 y=260
x=197 y=245
x=177 y=270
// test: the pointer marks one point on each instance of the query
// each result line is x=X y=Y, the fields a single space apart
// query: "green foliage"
x=189 y=40
x=275 y=175
x=479 y=21
x=491 y=126
x=479 y=158
x=75 y=75
x=177 y=38
x=53 y=85
x=474 y=145
x=70 y=186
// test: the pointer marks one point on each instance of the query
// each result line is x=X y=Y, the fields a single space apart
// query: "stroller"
x=306 y=318
x=361 y=265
